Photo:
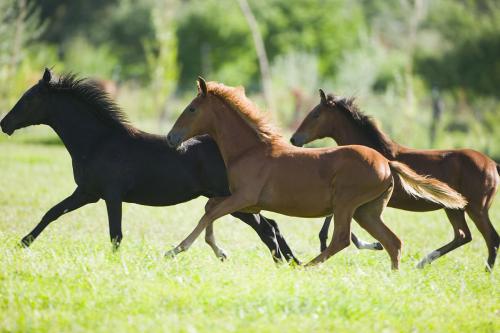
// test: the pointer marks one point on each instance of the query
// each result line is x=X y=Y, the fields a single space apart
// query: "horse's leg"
x=215 y=210
x=210 y=240
x=74 y=201
x=283 y=245
x=265 y=230
x=483 y=223
x=323 y=233
x=376 y=227
x=209 y=231
x=360 y=244
x=114 y=208
x=369 y=217
x=461 y=236
x=341 y=235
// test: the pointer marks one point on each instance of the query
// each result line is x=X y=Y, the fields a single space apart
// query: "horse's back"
x=468 y=171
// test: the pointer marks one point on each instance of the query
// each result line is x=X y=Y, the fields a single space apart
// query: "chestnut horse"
x=265 y=172
x=469 y=172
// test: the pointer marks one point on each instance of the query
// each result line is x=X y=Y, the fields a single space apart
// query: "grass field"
x=70 y=280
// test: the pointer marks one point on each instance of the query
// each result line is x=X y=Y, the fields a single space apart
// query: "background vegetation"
x=389 y=53
x=400 y=57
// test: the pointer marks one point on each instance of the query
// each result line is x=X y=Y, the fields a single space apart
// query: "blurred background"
x=429 y=71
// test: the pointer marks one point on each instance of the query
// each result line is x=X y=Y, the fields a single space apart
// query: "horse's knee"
x=464 y=236
x=398 y=244
x=341 y=241
x=345 y=242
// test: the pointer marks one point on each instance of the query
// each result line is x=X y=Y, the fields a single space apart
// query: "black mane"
x=101 y=104
x=365 y=123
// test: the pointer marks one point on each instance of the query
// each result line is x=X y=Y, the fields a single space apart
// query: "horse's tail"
x=427 y=188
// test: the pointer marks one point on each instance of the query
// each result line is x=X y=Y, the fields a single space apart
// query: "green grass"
x=70 y=280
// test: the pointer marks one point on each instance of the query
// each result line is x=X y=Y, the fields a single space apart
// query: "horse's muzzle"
x=5 y=128
x=298 y=140
x=174 y=139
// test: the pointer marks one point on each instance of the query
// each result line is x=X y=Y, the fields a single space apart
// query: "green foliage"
x=19 y=25
x=129 y=28
x=223 y=48
x=471 y=32
x=161 y=55
x=65 y=19
x=387 y=52
x=90 y=61
x=220 y=49
x=328 y=29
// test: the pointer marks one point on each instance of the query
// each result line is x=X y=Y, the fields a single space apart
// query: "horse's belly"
x=297 y=203
x=299 y=210
x=296 y=194
x=160 y=194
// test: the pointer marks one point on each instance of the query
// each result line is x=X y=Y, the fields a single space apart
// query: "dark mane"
x=366 y=124
x=101 y=104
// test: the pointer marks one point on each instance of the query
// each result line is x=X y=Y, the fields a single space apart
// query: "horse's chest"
x=79 y=173
x=88 y=176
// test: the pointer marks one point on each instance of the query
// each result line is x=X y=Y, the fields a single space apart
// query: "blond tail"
x=427 y=188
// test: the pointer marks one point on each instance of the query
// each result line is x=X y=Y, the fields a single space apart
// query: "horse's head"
x=195 y=119
x=318 y=122
x=31 y=109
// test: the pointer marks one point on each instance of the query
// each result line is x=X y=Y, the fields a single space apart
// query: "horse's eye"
x=315 y=115
x=191 y=109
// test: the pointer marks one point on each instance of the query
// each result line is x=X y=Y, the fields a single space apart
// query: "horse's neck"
x=348 y=133
x=78 y=128
x=234 y=136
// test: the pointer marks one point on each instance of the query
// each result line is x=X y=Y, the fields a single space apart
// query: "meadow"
x=70 y=280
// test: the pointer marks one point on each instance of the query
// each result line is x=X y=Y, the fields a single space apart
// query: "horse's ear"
x=202 y=86
x=322 y=95
x=47 y=75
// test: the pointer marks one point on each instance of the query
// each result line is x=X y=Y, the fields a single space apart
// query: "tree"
x=470 y=33
x=19 y=25
x=261 y=54
x=162 y=53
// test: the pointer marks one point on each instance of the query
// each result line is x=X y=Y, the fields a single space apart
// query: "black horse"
x=116 y=162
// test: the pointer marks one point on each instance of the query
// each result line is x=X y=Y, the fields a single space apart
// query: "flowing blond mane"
x=236 y=99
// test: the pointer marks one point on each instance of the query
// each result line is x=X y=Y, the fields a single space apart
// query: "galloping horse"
x=116 y=162
x=267 y=173
x=469 y=172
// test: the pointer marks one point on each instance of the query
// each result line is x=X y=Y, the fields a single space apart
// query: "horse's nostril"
x=169 y=137
x=292 y=140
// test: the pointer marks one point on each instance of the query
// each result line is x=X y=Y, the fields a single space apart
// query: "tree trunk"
x=261 y=54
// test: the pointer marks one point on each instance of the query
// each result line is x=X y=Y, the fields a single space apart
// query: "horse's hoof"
x=115 y=247
x=26 y=242
x=294 y=262
x=170 y=254
x=377 y=246
x=222 y=255
x=421 y=264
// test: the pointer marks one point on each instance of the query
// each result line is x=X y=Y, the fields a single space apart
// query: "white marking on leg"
x=65 y=211
x=362 y=245
x=429 y=258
